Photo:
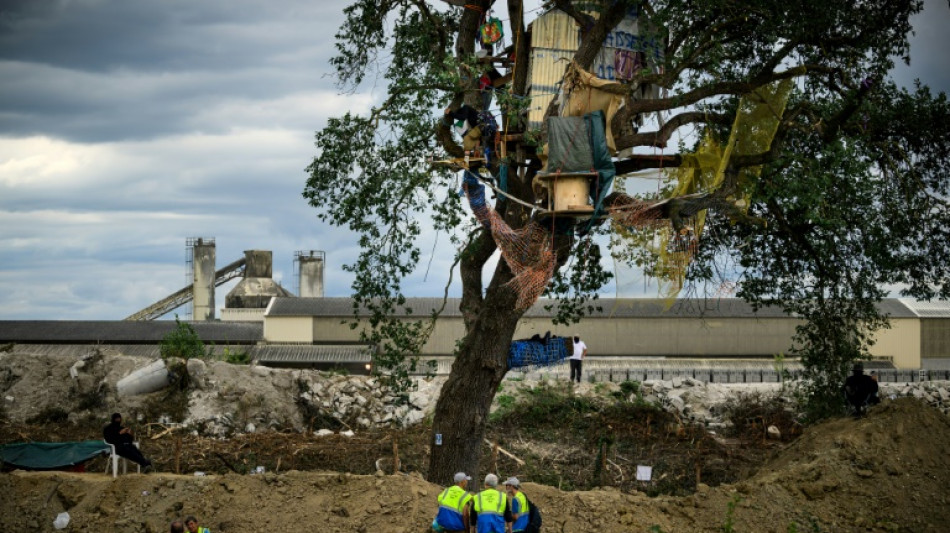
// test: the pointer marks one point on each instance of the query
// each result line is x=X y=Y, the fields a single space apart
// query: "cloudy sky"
x=126 y=127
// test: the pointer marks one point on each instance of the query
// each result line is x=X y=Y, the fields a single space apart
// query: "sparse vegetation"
x=183 y=342
x=172 y=402
x=236 y=357
x=728 y=526
x=751 y=415
x=49 y=415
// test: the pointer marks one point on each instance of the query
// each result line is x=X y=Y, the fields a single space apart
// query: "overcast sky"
x=126 y=127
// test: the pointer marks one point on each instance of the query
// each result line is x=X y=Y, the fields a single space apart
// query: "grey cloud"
x=95 y=71
x=928 y=49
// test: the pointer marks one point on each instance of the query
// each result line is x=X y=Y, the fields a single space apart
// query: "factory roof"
x=122 y=331
x=932 y=309
x=609 y=308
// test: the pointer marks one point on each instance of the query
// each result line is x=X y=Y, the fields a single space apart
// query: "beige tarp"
x=587 y=93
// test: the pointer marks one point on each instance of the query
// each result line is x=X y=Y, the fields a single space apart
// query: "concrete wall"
x=288 y=329
x=674 y=336
x=611 y=336
x=901 y=343
x=665 y=337
x=935 y=337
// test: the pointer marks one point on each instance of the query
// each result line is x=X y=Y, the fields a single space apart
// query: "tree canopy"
x=846 y=200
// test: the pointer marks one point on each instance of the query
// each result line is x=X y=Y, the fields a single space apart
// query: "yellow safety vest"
x=522 y=503
x=454 y=498
x=490 y=501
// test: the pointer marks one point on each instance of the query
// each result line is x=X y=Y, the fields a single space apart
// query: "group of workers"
x=490 y=511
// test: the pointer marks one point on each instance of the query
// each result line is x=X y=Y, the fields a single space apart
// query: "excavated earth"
x=889 y=471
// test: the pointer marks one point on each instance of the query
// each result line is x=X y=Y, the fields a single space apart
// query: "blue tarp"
x=50 y=455
x=531 y=353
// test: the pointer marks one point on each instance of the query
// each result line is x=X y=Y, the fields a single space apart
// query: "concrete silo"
x=310 y=273
x=257 y=287
x=202 y=277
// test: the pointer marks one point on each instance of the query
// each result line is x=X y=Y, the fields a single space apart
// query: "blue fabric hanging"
x=603 y=164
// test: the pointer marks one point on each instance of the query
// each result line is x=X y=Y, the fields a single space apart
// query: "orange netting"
x=528 y=251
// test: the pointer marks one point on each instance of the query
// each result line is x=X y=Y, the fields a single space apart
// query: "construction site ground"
x=889 y=471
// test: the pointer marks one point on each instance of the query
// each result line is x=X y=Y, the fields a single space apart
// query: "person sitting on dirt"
x=192 y=524
x=176 y=527
x=490 y=510
x=859 y=388
x=123 y=440
x=454 y=504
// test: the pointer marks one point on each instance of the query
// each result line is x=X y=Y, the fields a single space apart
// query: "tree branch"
x=474 y=257
x=660 y=137
x=642 y=162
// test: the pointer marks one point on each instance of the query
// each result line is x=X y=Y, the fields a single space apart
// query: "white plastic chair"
x=114 y=461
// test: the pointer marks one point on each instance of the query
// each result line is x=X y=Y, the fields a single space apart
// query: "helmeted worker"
x=490 y=509
x=520 y=510
x=454 y=504
x=192 y=524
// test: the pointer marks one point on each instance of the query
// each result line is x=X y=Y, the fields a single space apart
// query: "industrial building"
x=631 y=338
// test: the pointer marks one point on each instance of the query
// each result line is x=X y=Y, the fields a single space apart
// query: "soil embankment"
x=887 y=472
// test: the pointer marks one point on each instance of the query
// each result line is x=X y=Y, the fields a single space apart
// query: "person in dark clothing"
x=176 y=527
x=122 y=438
x=859 y=389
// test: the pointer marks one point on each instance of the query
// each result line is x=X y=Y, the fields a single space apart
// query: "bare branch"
x=660 y=137
x=721 y=88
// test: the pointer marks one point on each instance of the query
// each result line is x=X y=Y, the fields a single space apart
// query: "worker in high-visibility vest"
x=491 y=512
x=454 y=504
x=519 y=505
x=192 y=524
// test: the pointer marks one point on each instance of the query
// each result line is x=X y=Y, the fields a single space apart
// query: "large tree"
x=848 y=198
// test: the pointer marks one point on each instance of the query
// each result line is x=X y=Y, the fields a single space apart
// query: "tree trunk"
x=461 y=412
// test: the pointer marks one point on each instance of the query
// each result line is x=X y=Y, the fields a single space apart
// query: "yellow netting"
x=752 y=132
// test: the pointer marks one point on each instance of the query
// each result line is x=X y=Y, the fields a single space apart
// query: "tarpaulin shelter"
x=51 y=455
x=578 y=146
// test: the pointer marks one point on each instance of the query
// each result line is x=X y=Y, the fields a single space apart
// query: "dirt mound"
x=886 y=472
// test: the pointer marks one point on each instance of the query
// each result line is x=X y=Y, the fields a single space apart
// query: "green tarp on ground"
x=50 y=455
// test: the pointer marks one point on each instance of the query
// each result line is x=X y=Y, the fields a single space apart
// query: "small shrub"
x=183 y=342
x=728 y=526
x=506 y=403
x=236 y=357
x=630 y=387
x=92 y=400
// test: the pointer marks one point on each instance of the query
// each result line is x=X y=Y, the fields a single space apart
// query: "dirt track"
x=888 y=472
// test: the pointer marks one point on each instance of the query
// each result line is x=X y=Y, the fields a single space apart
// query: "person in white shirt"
x=580 y=352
